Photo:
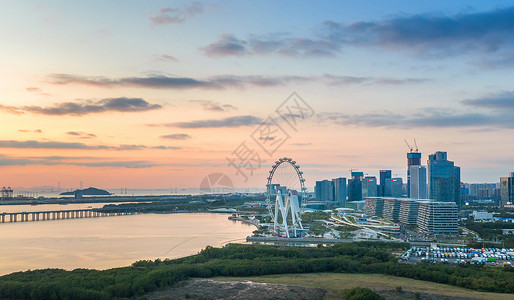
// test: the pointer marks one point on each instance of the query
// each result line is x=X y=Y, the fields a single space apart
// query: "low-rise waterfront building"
x=435 y=217
x=431 y=217
x=391 y=210
x=409 y=211
x=374 y=206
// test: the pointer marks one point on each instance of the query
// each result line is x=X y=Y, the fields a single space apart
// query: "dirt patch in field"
x=248 y=290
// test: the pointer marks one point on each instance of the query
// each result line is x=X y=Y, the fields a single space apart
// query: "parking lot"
x=447 y=255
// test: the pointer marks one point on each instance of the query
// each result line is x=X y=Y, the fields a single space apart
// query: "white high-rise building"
x=418 y=182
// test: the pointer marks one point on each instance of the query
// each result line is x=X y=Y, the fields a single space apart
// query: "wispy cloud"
x=170 y=15
x=227 y=45
x=80 y=108
x=129 y=147
x=236 y=121
x=223 y=81
x=501 y=101
x=429 y=35
x=166 y=57
x=11 y=109
x=429 y=118
x=33 y=89
x=135 y=164
x=33 y=144
x=166 y=147
x=154 y=81
x=75 y=161
x=176 y=136
x=354 y=80
x=214 y=106
x=80 y=134
x=281 y=44
x=37 y=91
x=257 y=80
x=27 y=130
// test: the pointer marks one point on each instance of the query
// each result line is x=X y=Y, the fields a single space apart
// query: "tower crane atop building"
x=412 y=150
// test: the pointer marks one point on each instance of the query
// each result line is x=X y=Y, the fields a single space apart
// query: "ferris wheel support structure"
x=287 y=205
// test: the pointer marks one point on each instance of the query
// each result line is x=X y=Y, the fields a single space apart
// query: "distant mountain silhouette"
x=91 y=191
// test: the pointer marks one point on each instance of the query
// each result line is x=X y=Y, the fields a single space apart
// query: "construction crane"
x=408 y=146
x=412 y=148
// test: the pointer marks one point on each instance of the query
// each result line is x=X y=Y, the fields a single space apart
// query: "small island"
x=91 y=191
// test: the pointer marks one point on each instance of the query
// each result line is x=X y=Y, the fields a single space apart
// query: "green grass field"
x=337 y=282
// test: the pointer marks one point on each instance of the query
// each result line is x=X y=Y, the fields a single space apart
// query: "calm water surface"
x=108 y=242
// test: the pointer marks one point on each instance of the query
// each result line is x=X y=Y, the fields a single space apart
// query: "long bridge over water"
x=10 y=217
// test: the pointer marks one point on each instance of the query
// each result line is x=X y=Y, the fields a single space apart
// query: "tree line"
x=245 y=260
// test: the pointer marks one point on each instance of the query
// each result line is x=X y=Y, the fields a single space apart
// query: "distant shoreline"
x=93 y=199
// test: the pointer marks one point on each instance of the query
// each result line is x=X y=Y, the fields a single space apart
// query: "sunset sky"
x=159 y=94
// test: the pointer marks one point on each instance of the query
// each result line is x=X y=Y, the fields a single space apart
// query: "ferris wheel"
x=284 y=196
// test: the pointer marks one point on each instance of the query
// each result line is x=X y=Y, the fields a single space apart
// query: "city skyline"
x=147 y=96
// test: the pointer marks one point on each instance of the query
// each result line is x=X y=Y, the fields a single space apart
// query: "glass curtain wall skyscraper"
x=324 y=191
x=385 y=175
x=393 y=187
x=355 y=186
x=331 y=192
x=339 y=190
x=369 y=186
x=443 y=179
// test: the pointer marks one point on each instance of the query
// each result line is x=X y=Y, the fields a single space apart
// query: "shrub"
x=361 y=294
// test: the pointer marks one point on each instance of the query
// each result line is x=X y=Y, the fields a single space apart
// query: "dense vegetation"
x=245 y=260
x=492 y=231
x=361 y=294
x=199 y=203
x=310 y=217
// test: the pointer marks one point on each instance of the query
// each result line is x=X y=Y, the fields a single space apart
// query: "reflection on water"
x=108 y=242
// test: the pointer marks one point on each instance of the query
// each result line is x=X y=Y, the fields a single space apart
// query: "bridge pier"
x=62 y=214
